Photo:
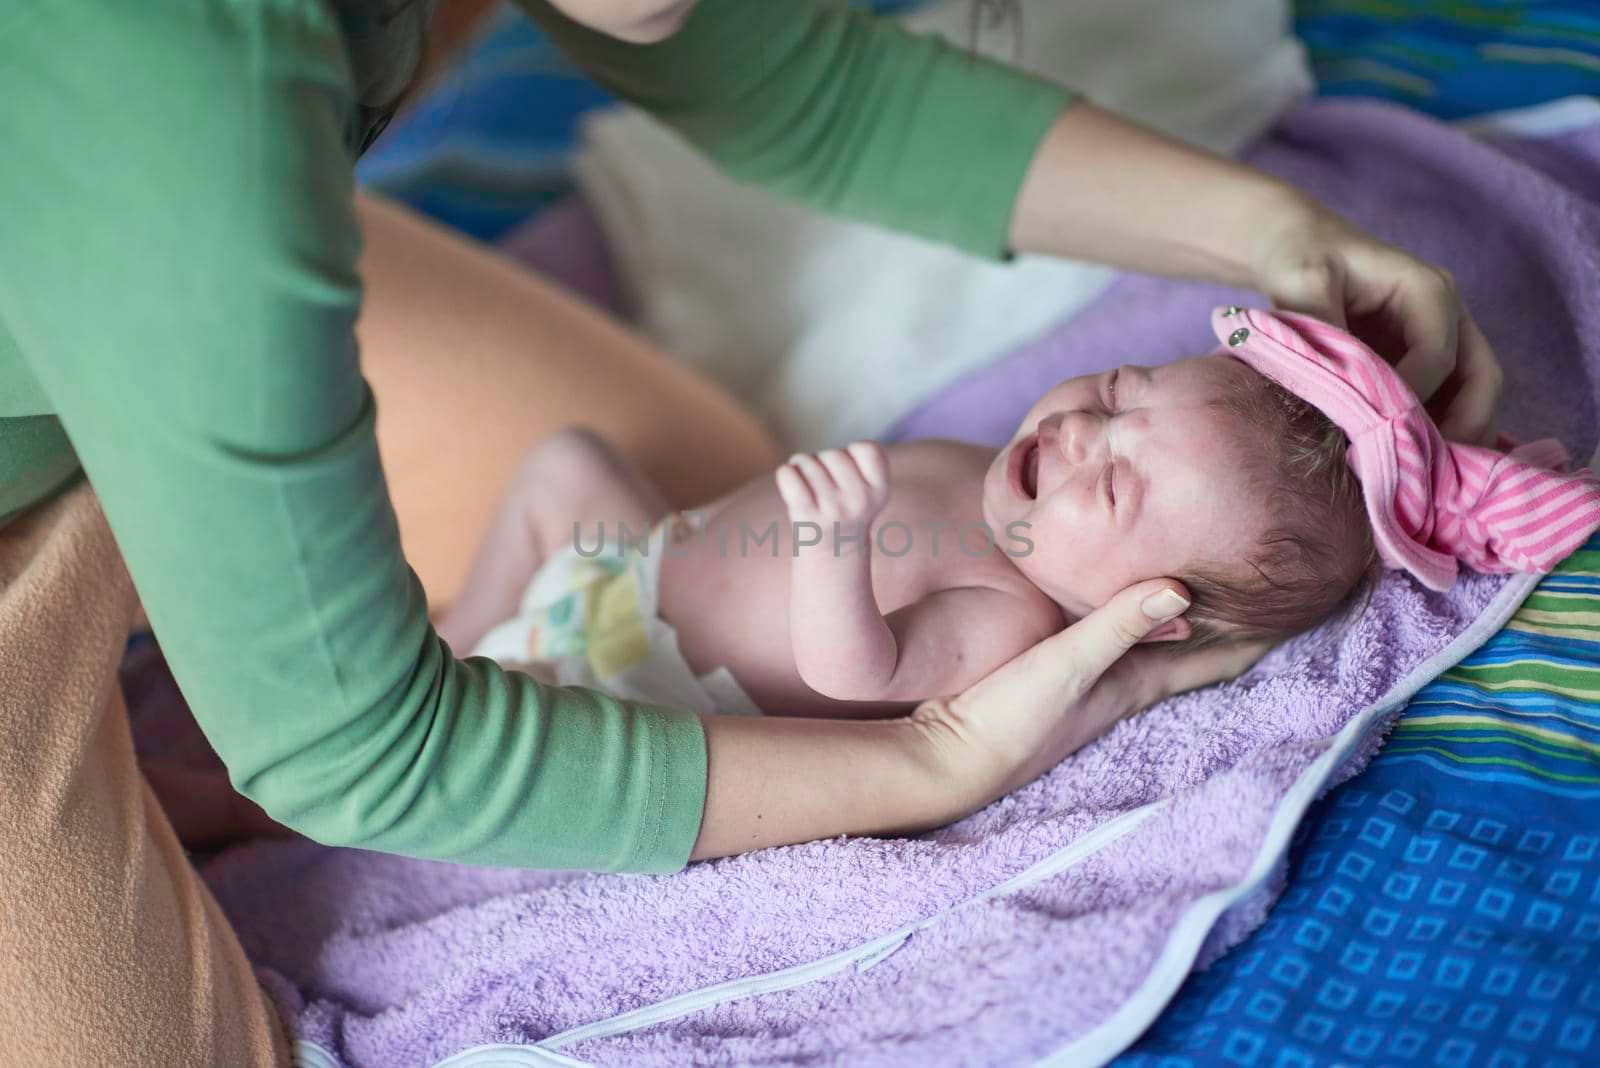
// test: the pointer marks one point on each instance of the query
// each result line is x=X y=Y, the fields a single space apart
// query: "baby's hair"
x=1318 y=551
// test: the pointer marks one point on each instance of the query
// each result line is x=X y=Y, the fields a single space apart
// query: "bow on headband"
x=1432 y=502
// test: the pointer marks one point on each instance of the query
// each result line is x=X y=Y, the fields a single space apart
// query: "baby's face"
x=1133 y=474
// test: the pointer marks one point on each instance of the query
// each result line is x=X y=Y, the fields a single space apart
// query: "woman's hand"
x=774 y=780
x=1317 y=263
x=1063 y=693
x=1105 y=189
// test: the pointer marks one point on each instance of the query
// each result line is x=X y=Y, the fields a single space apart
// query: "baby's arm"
x=844 y=647
x=952 y=638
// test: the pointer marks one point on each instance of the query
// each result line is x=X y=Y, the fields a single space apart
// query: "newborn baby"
x=861 y=580
x=1268 y=477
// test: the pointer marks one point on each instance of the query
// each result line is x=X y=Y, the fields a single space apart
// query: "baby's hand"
x=847 y=486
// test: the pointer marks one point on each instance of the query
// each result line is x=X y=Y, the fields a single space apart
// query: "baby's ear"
x=1173 y=630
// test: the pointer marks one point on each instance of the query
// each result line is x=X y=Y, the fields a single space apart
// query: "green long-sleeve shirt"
x=177 y=294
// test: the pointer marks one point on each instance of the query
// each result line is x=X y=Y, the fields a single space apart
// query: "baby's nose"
x=1082 y=436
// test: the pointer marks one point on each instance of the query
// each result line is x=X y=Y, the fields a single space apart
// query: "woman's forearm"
x=1104 y=189
x=776 y=780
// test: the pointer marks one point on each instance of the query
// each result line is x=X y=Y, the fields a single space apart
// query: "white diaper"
x=593 y=620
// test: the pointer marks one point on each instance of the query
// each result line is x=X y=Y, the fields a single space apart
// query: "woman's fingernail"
x=1164 y=605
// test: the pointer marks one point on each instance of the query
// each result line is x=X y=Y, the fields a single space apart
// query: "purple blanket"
x=1054 y=924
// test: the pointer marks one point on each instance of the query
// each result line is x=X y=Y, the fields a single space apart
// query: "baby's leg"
x=574 y=479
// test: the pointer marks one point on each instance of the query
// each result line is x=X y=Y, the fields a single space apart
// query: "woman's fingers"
x=1429 y=314
x=1019 y=721
x=1470 y=416
x=1203 y=667
x=1405 y=308
x=1447 y=360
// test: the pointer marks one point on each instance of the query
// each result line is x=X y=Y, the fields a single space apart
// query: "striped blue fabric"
x=491 y=142
x=1453 y=58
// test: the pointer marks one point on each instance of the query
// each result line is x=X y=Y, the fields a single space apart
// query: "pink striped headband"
x=1432 y=502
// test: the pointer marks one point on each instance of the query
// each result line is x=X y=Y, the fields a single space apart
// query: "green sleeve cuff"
x=36 y=462
x=677 y=797
x=982 y=138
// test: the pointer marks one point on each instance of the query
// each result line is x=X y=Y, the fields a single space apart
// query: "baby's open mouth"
x=1025 y=467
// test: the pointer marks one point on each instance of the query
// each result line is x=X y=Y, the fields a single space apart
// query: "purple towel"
x=1149 y=851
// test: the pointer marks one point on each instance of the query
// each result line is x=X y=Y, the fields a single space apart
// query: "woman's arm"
x=178 y=270
x=791 y=780
x=855 y=116
x=844 y=111
x=1104 y=189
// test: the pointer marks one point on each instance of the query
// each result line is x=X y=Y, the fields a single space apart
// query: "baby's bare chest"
x=734 y=568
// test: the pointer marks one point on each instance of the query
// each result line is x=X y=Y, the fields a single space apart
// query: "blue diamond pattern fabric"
x=1443 y=907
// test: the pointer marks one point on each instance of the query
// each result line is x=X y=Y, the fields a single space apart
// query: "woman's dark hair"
x=387 y=43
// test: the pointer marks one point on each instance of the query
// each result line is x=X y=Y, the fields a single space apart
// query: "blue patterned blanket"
x=1444 y=905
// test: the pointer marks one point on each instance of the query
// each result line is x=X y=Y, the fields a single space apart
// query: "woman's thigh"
x=473 y=360
x=112 y=951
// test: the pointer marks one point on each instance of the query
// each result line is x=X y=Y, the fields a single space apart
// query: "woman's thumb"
x=1140 y=609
